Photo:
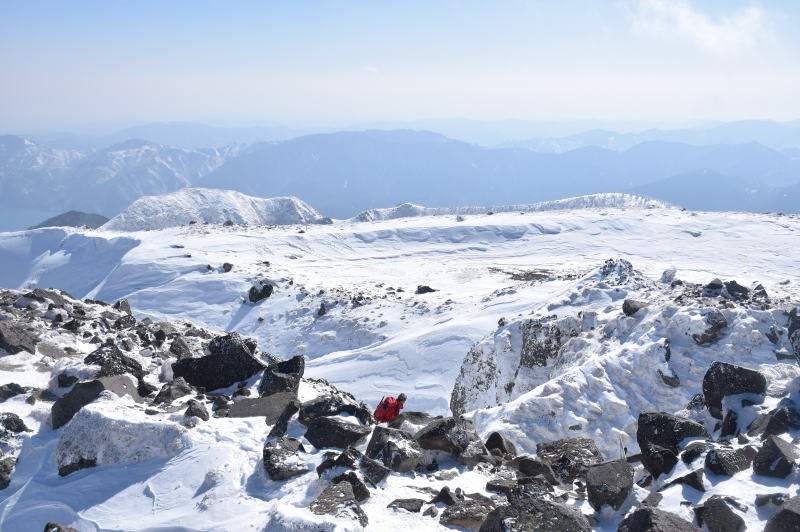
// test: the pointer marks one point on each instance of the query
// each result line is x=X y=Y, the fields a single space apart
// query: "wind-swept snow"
x=202 y=205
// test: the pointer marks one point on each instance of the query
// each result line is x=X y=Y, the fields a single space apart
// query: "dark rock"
x=260 y=292
x=466 y=514
x=737 y=291
x=776 y=499
x=446 y=497
x=431 y=511
x=569 y=458
x=539 y=515
x=84 y=393
x=123 y=306
x=333 y=432
x=694 y=450
x=113 y=362
x=609 y=483
x=532 y=467
x=409 y=505
x=717 y=516
x=652 y=500
x=723 y=379
x=713 y=288
x=497 y=441
x=360 y=490
x=776 y=458
x=14 y=337
x=282 y=423
x=395 y=449
x=424 y=289
x=730 y=425
x=43 y=296
x=331 y=405
x=476 y=453
x=180 y=349
x=6 y=469
x=631 y=306
x=322 y=310
x=173 y=390
x=531 y=488
x=65 y=381
x=787 y=413
x=659 y=436
x=339 y=500
x=280 y=458
x=767 y=425
x=270 y=407
x=726 y=461
x=145 y=389
x=647 y=519
x=82 y=463
x=374 y=471
x=196 y=409
x=227 y=266
x=13 y=423
x=411 y=421
x=7 y=391
x=503 y=482
x=787 y=518
x=55 y=527
x=125 y=322
x=794 y=321
x=231 y=361
x=693 y=479
x=773 y=335
x=282 y=376
x=716 y=325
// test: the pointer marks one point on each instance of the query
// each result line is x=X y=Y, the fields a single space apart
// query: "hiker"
x=389 y=408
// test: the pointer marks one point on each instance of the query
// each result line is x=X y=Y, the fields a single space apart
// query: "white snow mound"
x=203 y=205
x=610 y=200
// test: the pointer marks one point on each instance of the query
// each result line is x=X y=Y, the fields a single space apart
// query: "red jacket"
x=388 y=410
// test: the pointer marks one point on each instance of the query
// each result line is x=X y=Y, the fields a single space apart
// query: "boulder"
x=334 y=405
x=531 y=488
x=538 y=515
x=173 y=390
x=424 y=289
x=776 y=458
x=499 y=442
x=270 y=407
x=339 y=500
x=113 y=362
x=7 y=391
x=412 y=422
x=76 y=465
x=360 y=491
x=774 y=499
x=196 y=409
x=6 y=469
x=693 y=479
x=13 y=423
x=231 y=361
x=476 y=453
x=569 y=458
x=609 y=483
x=726 y=461
x=716 y=325
x=794 y=321
x=469 y=514
x=333 y=432
x=180 y=349
x=631 y=306
x=787 y=518
x=648 y=519
x=409 y=505
x=260 y=291
x=659 y=435
x=84 y=393
x=56 y=527
x=532 y=467
x=282 y=423
x=695 y=450
x=723 y=379
x=15 y=337
x=282 y=376
x=281 y=460
x=374 y=471
x=717 y=516
x=395 y=449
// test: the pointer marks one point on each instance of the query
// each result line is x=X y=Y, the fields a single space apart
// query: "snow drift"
x=202 y=205
x=614 y=200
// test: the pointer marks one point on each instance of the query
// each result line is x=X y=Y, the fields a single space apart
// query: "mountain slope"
x=73 y=219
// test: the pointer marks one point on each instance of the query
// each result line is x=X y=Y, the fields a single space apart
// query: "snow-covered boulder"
x=202 y=205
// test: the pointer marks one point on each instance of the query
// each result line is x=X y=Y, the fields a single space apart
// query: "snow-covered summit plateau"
x=601 y=363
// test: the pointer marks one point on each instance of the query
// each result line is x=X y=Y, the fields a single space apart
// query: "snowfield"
x=506 y=283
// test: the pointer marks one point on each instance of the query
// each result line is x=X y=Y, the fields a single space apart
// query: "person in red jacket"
x=389 y=408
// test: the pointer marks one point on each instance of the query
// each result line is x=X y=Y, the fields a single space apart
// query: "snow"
x=202 y=205
x=374 y=340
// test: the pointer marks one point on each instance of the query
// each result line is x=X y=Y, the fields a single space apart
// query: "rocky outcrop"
x=469 y=514
x=231 y=361
x=113 y=361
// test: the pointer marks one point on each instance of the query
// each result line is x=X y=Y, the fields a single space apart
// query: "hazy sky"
x=255 y=62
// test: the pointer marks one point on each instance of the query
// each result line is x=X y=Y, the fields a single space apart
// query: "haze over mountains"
x=748 y=166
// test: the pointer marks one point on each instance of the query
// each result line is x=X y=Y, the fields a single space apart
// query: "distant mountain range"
x=344 y=173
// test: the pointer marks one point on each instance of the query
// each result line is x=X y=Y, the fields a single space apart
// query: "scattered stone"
x=6 y=469
x=787 y=518
x=424 y=289
x=113 y=362
x=737 y=291
x=716 y=325
x=724 y=379
x=776 y=499
x=468 y=513
x=659 y=436
x=409 y=505
x=539 y=515
x=231 y=361
x=281 y=460
x=360 y=491
x=227 y=266
x=569 y=458
x=7 y=391
x=374 y=471
x=532 y=467
x=13 y=423
x=282 y=376
x=446 y=497
x=180 y=349
x=726 y=461
x=84 y=393
x=338 y=500
x=173 y=390
x=695 y=450
x=497 y=441
x=196 y=409
x=653 y=499
x=431 y=511
x=395 y=449
x=648 y=519
x=609 y=483
x=776 y=458
x=14 y=337
x=693 y=479
x=260 y=291
x=333 y=432
x=631 y=306
x=717 y=516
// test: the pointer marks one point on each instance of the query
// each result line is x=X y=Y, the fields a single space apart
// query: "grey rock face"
x=6 y=469
x=776 y=458
x=726 y=461
x=270 y=407
x=450 y=434
x=659 y=435
x=173 y=390
x=196 y=409
x=470 y=513
x=609 y=483
x=332 y=432
x=15 y=337
x=409 y=505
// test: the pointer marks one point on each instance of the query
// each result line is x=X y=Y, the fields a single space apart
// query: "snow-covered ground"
x=345 y=297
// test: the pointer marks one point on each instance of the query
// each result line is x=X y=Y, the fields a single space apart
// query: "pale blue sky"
x=661 y=60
